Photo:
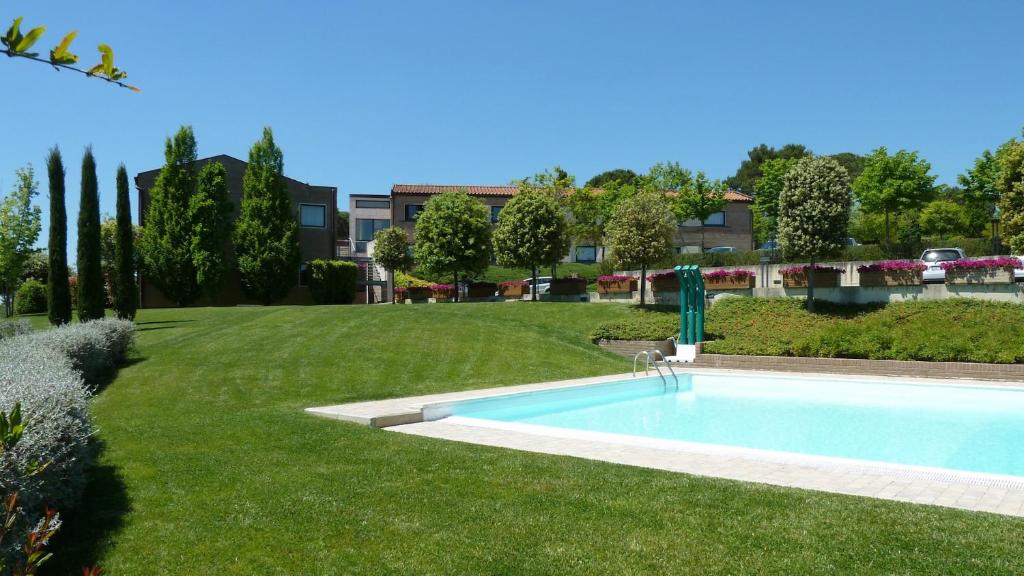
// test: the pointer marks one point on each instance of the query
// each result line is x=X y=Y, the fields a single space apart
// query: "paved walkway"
x=965 y=491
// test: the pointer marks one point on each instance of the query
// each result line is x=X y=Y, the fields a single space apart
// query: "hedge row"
x=51 y=374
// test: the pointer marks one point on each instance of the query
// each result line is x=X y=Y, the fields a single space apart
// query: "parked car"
x=769 y=246
x=933 y=259
x=852 y=241
x=1018 y=273
x=721 y=250
x=543 y=284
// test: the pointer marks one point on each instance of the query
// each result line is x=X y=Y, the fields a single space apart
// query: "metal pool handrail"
x=648 y=361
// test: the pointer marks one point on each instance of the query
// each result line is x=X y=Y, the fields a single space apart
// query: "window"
x=412 y=212
x=304 y=274
x=313 y=215
x=386 y=205
x=586 y=253
x=495 y=211
x=716 y=219
x=367 y=227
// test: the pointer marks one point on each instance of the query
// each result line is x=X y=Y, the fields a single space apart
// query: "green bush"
x=643 y=325
x=30 y=298
x=333 y=281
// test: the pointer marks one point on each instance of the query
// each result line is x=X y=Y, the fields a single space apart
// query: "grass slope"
x=210 y=466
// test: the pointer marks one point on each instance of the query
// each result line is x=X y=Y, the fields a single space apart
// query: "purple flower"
x=892 y=265
x=662 y=276
x=739 y=274
x=983 y=263
x=514 y=283
x=613 y=278
x=802 y=269
x=442 y=287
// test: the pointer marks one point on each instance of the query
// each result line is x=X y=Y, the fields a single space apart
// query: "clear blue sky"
x=362 y=95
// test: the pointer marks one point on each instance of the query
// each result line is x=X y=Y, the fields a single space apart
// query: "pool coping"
x=907 y=483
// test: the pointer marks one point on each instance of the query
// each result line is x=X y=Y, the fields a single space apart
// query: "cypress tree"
x=125 y=293
x=58 y=289
x=90 y=271
x=267 y=232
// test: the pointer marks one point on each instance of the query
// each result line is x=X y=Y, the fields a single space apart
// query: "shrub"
x=648 y=325
x=93 y=348
x=405 y=280
x=802 y=269
x=333 y=281
x=30 y=298
x=12 y=328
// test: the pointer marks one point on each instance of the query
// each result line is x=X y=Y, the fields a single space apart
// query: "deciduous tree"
x=814 y=211
x=750 y=169
x=531 y=232
x=766 y=199
x=620 y=175
x=391 y=250
x=210 y=214
x=267 y=232
x=698 y=200
x=58 y=288
x=453 y=235
x=19 y=229
x=894 y=183
x=1010 y=184
x=944 y=218
x=91 y=291
x=640 y=233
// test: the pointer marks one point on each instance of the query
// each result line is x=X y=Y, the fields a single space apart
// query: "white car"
x=933 y=259
x=543 y=284
x=1018 y=273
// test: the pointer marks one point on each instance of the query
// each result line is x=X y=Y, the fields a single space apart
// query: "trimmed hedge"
x=645 y=325
x=30 y=298
x=333 y=281
x=50 y=374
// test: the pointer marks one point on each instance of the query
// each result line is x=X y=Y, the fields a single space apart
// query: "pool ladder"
x=651 y=358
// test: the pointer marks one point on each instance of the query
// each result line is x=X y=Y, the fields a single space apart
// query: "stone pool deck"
x=956 y=490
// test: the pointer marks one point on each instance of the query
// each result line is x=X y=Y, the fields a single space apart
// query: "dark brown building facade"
x=315 y=209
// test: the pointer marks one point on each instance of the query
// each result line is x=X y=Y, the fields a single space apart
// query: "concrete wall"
x=915 y=369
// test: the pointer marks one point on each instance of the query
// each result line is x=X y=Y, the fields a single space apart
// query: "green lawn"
x=210 y=466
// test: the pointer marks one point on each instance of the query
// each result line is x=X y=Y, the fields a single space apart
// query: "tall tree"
x=58 y=287
x=267 y=232
x=560 y=185
x=667 y=177
x=620 y=175
x=894 y=183
x=531 y=232
x=698 y=200
x=814 y=212
x=766 y=199
x=750 y=169
x=453 y=235
x=125 y=291
x=19 y=229
x=91 y=292
x=210 y=213
x=166 y=245
x=1010 y=184
x=853 y=163
x=640 y=233
x=391 y=251
x=943 y=218
x=341 y=224
x=980 y=193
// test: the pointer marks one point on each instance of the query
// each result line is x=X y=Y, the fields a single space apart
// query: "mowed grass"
x=210 y=466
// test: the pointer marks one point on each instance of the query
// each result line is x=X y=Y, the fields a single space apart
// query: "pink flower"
x=739 y=274
x=892 y=265
x=802 y=269
x=613 y=278
x=983 y=263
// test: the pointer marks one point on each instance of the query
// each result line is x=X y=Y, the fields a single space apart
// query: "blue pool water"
x=976 y=429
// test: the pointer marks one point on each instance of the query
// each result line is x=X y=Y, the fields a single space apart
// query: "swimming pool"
x=976 y=429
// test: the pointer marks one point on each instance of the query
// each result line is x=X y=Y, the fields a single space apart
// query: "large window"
x=312 y=215
x=716 y=219
x=495 y=211
x=586 y=253
x=373 y=204
x=412 y=212
x=367 y=227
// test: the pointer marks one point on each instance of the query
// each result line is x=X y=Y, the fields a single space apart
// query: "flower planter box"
x=568 y=286
x=615 y=287
x=442 y=294
x=890 y=278
x=822 y=279
x=482 y=290
x=729 y=283
x=513 y=291
x=419 y=293
x=1003 y=275
x=664 y=285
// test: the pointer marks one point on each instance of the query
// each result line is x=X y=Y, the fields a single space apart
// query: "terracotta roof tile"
x=440 y=188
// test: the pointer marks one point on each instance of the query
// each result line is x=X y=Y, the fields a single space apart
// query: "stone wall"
x=629 y=348
x=905 y=368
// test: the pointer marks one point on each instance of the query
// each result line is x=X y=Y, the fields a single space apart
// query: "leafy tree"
x=166 y=245
x=768 y=188
x=91 y=292
x=391 y=250
x=341 y=224
x=16 y=44
x=620 y=175
x=943 y=218
x=1010 y=184
x=667 y=177
x=698 y=200
x=892 y=184
x=19 y=229
x=640 y=233
x=854 y=163
x=531 y=232
x=980 y=191
x=453 y=235
x=561 y=186
x=267 y=232
x=125 y=293
x=750 y=169
x=814 y=211
x=36 y=267
x=210 y=214
x=58 y=288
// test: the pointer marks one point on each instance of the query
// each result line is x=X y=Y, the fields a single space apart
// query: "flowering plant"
x=983 y=263
x=670 y=275
x=441 y=287
x=613 y=278
x=740 y=274
x=803 y=268
x=892 y=265
x=513 y=283
x=401 y=290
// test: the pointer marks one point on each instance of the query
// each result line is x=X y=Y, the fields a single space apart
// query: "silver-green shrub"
x=93 y=348
x=12 y=328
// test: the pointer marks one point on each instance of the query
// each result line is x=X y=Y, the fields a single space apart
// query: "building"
x=315 y=208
